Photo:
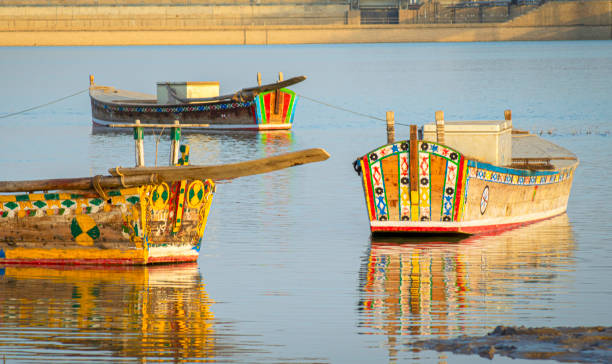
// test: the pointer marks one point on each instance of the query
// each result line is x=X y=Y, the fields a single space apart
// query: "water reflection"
x=447 y=288
x=90 y=313
x=205 y=148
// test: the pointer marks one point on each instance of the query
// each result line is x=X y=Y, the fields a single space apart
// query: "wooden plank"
x=82 y=183
x=229 y=171
x=437 y=169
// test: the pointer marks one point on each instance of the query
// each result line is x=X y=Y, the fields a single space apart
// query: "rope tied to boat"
x=43 y=105
x=347 y=110
x=121 y=176
x=98 y=187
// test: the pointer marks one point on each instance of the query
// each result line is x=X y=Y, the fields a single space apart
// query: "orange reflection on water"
x=448 y=287
x=148 y=311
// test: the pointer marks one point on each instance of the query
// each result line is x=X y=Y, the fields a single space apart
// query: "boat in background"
x=198 y=106
x=464 y=177
x=134 y=216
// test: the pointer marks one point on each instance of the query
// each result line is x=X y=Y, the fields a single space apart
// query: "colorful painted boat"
x=198 y=105
x=465 y=177
x=136 y=216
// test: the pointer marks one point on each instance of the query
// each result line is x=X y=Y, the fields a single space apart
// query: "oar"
x=228 y=171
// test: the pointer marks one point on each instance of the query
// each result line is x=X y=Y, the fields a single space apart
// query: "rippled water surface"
x=288 y=271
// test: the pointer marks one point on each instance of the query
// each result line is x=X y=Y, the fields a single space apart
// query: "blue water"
x=288 y=271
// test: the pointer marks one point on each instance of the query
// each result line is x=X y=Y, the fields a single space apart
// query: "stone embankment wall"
x=309 y=22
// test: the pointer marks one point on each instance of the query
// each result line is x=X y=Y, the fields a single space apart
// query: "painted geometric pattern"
x=401 y=150
x=40 y=204
x=450 y=188
x=404 y=186
x=263 y=106
x=379 y=195
x=174 y=109
x=424 y=187
x=505 y=176
x=440 y=151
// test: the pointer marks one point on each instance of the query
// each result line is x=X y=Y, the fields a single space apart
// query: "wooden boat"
x=464 y=177
x=135 y=216
x=198 y=105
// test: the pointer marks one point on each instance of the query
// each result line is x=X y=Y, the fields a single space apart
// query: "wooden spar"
x=258 y=78
x=277 y=99
x=414 y=174
x=390 y=127
x=82 y=183
x=229 y=171
x=440 y=126
x=248 y=93
x=174 y=146
x=138 y=139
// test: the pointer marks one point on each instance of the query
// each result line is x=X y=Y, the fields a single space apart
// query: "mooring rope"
x=347 y=110
x=567 y=131
x=43 y=105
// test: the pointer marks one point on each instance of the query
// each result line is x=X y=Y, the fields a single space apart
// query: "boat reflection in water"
x=80 y=315
x=445 y=288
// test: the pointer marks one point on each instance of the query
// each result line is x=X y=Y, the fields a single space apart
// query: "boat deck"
x=532 y=147
x=113 y=95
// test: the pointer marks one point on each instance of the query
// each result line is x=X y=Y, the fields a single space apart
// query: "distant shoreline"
x=306 y=35
x=195 y=25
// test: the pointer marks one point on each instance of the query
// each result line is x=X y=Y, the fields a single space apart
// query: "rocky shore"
x=564 y=344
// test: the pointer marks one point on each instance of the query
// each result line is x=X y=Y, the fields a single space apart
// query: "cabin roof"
x=113 y=95
x=533 y=146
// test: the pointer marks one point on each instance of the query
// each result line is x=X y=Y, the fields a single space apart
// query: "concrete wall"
x=164 y=17
x=568 y=13
x=27 y=26
x=165 y=2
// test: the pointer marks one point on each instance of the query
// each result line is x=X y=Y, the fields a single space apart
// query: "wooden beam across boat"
x=228 y=171
x=247 y=93
x=80 y=183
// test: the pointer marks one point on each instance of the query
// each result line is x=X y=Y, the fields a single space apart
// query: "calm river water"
x=288 y=270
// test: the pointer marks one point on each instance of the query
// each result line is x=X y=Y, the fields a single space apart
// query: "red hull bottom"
x=153 y=260
x=473 y=229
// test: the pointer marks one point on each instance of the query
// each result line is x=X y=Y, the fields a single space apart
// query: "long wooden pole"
x=80 y=183
x=440 y=126
x=390 y=127
x=229 y=171
x=130 y=177
x=175 y=144
x=139 y=144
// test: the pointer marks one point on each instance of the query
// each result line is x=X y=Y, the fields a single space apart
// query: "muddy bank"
x=565 y=344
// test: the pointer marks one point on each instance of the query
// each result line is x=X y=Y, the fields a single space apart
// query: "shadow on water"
x=418 y=288
x=88 y=313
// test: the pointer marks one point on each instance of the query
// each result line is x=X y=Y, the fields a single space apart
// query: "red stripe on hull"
x=176 y=259
x=368 y=189
x=454 y=229
x=72 y=261
x=286 y=101
x=154 y=260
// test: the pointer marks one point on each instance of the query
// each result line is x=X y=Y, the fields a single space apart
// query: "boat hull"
x=438 y=190
x=131 y=226
x=272 y=110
